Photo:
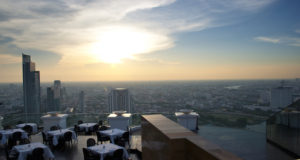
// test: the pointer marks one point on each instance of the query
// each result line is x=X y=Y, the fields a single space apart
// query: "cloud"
x=71 y=28
x=291 y=41
x=4 y=39
x=297 y=31
x=267 y=39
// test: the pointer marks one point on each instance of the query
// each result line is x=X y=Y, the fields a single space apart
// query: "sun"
x=117 y=43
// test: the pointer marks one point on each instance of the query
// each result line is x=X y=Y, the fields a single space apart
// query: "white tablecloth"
x=107 y=149
x=113 y=133
x=33 y=125
x=57 y=133
x=7 y=133
x=26 y=149
x=86 y=126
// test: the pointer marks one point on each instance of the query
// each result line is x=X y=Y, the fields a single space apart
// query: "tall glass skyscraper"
x=31 y=86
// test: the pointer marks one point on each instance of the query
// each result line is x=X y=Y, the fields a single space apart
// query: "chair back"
x=80 y=122
x=37 y=154
x=44 y=136
x=100 y=122
x=17 y=136
x=53 y=128
x=28 y=129
x=102 y=128
x=90 y=142
x=20 y=122
x=6 y=127
x=68 y=136
x=125 y=136
x=88 y=155
x=118 y=154
x=96 y=128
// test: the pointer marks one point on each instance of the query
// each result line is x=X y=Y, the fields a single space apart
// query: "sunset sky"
x=124 y=40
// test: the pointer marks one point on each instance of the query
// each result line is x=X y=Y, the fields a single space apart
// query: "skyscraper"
x=119 y=99
x=54 y=97
x=57 y=95
x=50 y=99
x=31 y=86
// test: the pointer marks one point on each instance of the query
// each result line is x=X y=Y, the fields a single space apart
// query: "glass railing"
x=218 y=119
x=72 y=119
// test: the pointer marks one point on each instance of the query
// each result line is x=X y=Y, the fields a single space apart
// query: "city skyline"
x=151 y=40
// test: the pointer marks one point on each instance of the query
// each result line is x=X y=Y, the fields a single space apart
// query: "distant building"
x=54 y=97
x=50 y=99
x=281 y=97
x=81 y=101
x=57 y=95
x=31 y=86
x=119 y=99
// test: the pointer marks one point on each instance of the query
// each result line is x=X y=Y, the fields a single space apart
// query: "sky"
x=145 y=40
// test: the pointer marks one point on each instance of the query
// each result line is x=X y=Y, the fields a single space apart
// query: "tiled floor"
x=74 y=151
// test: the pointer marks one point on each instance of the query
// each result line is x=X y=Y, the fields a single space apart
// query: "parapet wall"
x=163 y=139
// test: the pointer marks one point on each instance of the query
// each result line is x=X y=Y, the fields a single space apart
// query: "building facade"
x=120 y=99
x=31 y=86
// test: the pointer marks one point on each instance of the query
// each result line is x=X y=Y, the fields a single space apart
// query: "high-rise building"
x=50 y=99
x=54 y=97
x=57 y=95
x=119 y=99
x=81 y=101
x=281 y=96
x=31 y=86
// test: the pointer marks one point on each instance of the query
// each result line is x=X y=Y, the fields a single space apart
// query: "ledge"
x=177 y=142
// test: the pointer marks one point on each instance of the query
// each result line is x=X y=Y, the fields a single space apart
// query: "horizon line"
x=249 y=79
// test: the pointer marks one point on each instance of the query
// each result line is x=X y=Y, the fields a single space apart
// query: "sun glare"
x=117 y=43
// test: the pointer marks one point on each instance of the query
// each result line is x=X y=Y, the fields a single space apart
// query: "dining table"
x=107 y=149
x=113 y=133
x=26 y=149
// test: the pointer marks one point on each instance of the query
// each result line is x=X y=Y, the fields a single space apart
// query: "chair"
x=68 y=137
x=47 y=139
x=28 y=129
x=125 y=136
x=20 y=122
x=11 y=142
x=118 y=154
x=24 y=141
x=102 y=138
x=77 y=129
x=6 y=127
x=10 y=155
x=53 y=128
x=79 y=122
x=37 y=154
x=88 y=155
x=102 y=128
x=120 y=142
x=90 y=142
x=17 y=136
x=100 y=122
x=96 y=128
